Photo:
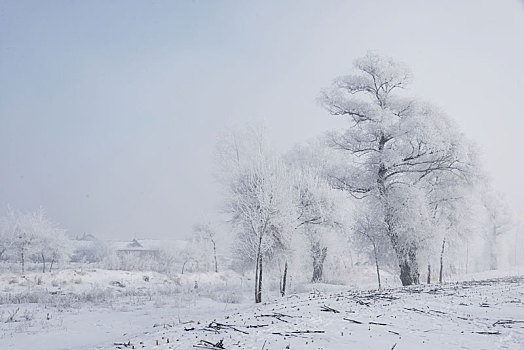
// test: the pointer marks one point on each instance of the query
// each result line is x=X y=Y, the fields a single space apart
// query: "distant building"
x=139 y=249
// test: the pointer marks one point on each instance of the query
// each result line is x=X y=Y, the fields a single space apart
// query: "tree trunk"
x=409 y=268
x=408 y=264
x=319 y=255
x=467 y=256
x=215 y=255
x=23 y=261
x=429 y=274
x=260 y=279
x=258 y=272
x=43 y=263
x=376 y=263
x=256 y=278
x=51 y=265
x=441 y=261
x=405 y=274
x=284 y=281
x=493 y=263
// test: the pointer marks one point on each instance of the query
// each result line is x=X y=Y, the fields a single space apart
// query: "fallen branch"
x=354 y=321
x=329 y=309
x=278 y=316
x=307 y=332
x=416 y=310
x=363 y=302
x=296 y=333
x=438 y=312
x=503 y=323
x=219 y=326
x=204 y=344
x=12 y=315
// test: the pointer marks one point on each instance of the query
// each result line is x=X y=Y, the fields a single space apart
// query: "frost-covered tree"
x=33 y=235
x=5 y=241
x=204 y=233
x=319 y=208
x=393 y=145
x=316 y=207
x=19 y=231
x=499 y=221
x=258 y=198
x=452 y=204
x=51 y=245
x=92 y=250
x=369 y=236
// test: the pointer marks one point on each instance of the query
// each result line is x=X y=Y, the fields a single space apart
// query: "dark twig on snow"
x=307 y=332
x=215 y=326
x=364 y=303
x=329 y=309
x=295 y=333
x=438 y=312
x=503 y=323
x=204 y=344
x=416 y=310
x=12 y=315
x=278 y=316
x=354 y=321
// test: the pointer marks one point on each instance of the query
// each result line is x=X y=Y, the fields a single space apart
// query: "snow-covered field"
x=98 y=309
x=76 y=309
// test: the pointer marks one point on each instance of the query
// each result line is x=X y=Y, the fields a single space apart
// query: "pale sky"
x=110 y=110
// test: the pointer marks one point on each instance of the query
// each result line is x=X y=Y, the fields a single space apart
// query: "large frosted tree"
x=393 y=146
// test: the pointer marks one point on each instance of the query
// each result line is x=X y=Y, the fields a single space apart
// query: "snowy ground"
x=87 y=308
x=485 y=314
x=471 y=315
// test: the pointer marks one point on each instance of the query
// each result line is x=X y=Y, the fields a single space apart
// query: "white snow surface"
x=97 y=313
x=485 y=314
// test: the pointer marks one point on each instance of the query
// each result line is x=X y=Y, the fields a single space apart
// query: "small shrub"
x=117 y=284
x=28 y=315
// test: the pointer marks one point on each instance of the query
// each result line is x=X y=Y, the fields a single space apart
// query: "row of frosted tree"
x=401 y=183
